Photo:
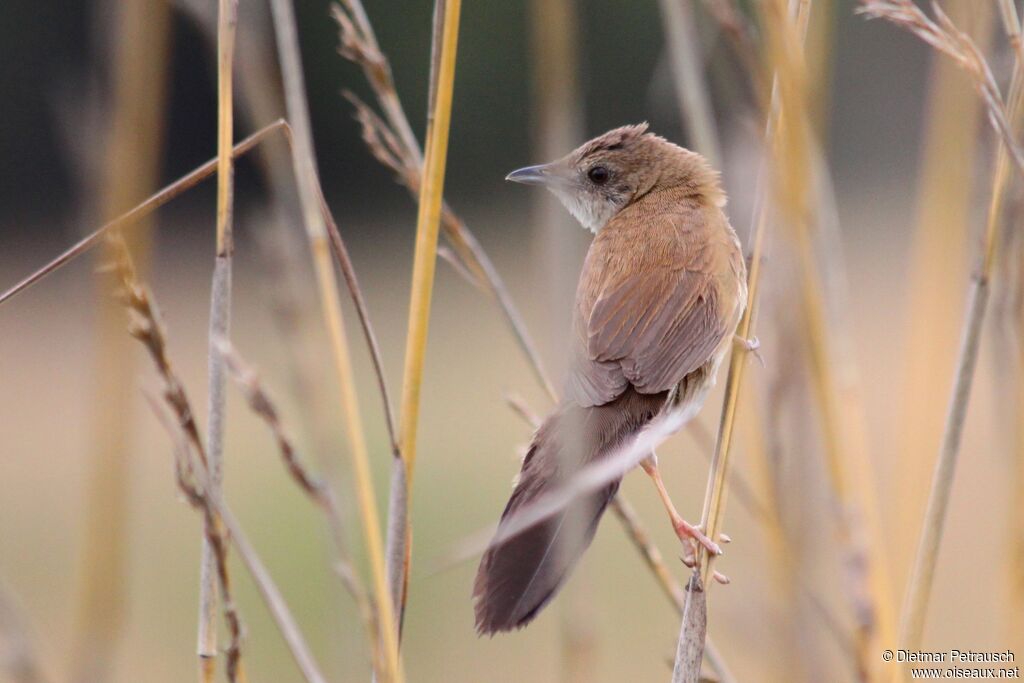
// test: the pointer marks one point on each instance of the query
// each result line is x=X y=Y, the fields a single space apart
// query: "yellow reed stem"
x=714 y=499
x=427 y=226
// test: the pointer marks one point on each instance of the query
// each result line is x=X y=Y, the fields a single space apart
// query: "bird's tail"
x=519 y=576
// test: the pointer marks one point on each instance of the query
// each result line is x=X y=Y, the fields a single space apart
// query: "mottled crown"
x=614 y=139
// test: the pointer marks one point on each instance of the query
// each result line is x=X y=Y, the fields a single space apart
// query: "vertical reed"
x=131 y=153
x=923 y=573
x=939 y=262
x=425 y=258
x=304 y=165
x=220 y=326
x=687 y=63
x=690 y=636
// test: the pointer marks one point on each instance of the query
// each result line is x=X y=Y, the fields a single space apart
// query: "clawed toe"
x=687 y=531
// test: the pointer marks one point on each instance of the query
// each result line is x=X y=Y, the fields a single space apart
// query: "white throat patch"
x=592 y=215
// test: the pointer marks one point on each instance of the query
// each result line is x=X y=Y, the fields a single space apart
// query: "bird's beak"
x=542 y=174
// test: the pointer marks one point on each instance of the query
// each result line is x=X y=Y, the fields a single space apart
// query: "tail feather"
x=519 y=576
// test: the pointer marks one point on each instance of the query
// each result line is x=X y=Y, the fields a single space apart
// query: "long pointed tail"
x=519 y=576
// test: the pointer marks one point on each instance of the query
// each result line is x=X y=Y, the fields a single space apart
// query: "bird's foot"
x=689 y=532
x=751 y=345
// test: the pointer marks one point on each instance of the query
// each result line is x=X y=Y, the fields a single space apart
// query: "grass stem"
x=425 y=258
x=220 y=326
x=304 y=164
x=926 y=559
x=684 y=50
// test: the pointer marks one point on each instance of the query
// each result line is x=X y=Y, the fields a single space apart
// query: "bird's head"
x=605 y=175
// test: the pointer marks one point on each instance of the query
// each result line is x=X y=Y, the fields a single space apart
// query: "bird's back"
x=663 y=284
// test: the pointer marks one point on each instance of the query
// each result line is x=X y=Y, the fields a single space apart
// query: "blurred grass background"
x=874 y=109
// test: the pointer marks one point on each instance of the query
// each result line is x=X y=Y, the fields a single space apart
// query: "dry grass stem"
x=304 y=165
x=843 y=434
x=128 y=152
x=175 y=413
x=193 y=480
x=147 y=207
x=392 y=143
x=692 y=634
x=424 y=262
x=146 y=327
x=714 y=500
x=741 y=34
x=319 y=492
x=220 y=325
x=355 y=291
x=684 y=50
x=939 y=264
x=945 y=37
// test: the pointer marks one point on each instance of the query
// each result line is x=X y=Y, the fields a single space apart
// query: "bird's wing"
x=650 y=324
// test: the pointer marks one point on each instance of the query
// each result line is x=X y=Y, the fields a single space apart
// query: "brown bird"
x=661 y=292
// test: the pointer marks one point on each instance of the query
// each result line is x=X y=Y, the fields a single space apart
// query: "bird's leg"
x=688 y=533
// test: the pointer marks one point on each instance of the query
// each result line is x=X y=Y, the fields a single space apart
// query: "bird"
x=660 y=295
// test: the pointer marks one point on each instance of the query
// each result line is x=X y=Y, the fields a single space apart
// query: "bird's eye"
x=598 y=175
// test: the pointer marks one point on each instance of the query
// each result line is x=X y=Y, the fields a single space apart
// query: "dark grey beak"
x=532 y=175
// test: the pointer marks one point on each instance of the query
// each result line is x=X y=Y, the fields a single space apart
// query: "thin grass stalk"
x=130 y=158
x=843 y=431
x=392 y=143
x=842 y=421
x=272 y=596
x=692 y=634
x=939 y=262
x=193 y=479
x=390 y=669
x=714 y=500
x=138 y=212
x=688 y=70
x=425 y=258
x=655 y=562
x=317 y=491
x=144 y=325
x=717 y=482
x=944 y=36
x=220 y=326
x=923 y=573
x=398 y=540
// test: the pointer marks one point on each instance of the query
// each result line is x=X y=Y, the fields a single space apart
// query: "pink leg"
x=688 y=533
